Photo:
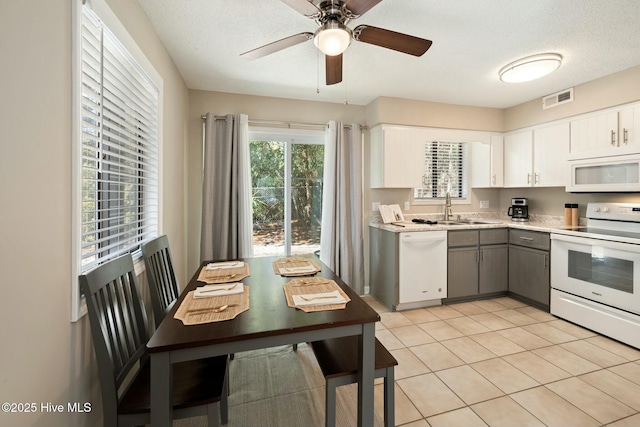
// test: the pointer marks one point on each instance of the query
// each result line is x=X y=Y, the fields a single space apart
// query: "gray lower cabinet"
x=481 y=263
x=529 y=267
x=493 y=274
x=462 y=274
x=477 y=263
x=384 y=266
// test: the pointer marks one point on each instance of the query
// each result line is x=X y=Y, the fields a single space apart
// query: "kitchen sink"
x=473 y=221
x=451 y=223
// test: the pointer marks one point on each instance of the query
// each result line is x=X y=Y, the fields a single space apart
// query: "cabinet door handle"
x=625 y=135
x=545 y=261
x=528 y=239
x=537 y=178
x=528 y=178
x=477 y=257
x=493 y=179
x=613 y=137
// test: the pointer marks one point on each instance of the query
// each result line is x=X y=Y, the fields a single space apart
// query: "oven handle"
x=628 y=247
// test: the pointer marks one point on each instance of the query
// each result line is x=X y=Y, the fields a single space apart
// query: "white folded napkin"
x=226 y=264
x=295 y=270
x=325 y=298
x=209 y=291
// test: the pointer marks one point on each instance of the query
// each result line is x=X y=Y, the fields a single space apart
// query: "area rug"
x=281 y=387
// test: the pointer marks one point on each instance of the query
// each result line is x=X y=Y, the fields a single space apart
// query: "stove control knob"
x=605 y=209
x=596 y=209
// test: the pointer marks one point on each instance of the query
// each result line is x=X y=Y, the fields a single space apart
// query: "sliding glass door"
x=286 y=171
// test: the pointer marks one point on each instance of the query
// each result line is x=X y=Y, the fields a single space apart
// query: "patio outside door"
x=287 y=192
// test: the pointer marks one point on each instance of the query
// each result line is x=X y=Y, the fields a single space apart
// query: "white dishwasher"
x=422 y=269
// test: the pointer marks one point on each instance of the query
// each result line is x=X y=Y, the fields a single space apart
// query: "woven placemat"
x=224 y=275
x=313 y=285
x=295 y=263
x=205 y=313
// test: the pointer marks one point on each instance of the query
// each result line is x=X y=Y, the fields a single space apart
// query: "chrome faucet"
x=447 y=207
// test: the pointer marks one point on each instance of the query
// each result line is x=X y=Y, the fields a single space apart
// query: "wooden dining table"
x=269 y=322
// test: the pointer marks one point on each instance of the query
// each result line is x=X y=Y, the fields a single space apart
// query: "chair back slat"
x=161 y=276
x=117 y=317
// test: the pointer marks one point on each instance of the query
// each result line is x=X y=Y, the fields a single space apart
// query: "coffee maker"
x=519 y=209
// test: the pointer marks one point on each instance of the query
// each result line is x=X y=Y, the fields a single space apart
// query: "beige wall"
x=44 y=357
x=550 y=201
x=432 y=114
x=616 y=89
x=609 y=91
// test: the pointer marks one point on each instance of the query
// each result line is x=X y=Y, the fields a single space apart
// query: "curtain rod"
x=272 y=122
x=281 y=123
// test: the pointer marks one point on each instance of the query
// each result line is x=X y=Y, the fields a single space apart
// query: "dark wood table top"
x=268 y=314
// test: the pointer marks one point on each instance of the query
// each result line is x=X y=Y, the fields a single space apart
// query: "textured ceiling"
x=472 y=40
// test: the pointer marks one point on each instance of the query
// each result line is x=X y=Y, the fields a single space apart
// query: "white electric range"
x=595 y=272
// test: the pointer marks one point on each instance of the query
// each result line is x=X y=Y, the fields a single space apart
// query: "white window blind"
x=445 y=171
x=119 y=139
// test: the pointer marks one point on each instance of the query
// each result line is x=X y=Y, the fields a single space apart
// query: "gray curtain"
x=226 y=231
x=341 y=238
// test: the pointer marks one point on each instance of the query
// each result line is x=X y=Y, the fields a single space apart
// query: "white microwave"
x=607 y=174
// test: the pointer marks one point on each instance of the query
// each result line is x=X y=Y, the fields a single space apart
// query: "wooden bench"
x=338 y=359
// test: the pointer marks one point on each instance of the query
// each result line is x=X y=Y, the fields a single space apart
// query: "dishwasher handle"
x=429 y=236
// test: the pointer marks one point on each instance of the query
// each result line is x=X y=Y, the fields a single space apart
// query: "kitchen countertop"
x=543 y=223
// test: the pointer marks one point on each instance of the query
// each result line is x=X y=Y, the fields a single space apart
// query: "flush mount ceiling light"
x=530 y=68
x=332 y=38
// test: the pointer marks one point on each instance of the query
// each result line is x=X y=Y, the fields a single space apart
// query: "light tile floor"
x=500 y=363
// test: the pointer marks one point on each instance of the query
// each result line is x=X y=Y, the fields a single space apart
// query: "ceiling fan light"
x=530 y=68
x=332 y=38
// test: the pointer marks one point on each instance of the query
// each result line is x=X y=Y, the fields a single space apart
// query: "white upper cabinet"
x=518 y=159
x=550 y=151
x=594 y=133
x=397 y=157
x=497 y=161
x=487 y=163
x=537 y=157
x=398 y=154
x=629 y=127
x=606 y=133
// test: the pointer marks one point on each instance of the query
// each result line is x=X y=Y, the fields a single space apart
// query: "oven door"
x=599 y=270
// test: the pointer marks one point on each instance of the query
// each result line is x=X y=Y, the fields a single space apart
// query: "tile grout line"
x=550 y=345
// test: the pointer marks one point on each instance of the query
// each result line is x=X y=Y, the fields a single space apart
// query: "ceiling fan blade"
x=304 y=7
x=333 y=70
x=391 y=40
x=277 y=46
x=359 y=7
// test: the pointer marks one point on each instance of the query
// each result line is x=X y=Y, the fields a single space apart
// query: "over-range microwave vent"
x=557 y=98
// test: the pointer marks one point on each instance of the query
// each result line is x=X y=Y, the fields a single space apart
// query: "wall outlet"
x=484 y=204
x=406 y=206
x=375 y=206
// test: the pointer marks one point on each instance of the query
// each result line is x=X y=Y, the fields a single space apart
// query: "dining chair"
x=338 y=360
x=119 y=331
x=161 y=276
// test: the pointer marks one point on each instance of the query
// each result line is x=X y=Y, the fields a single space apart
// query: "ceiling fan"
x=333 y=36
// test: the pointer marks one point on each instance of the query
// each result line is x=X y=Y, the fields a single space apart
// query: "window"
x=445 y=171
x=116 y=126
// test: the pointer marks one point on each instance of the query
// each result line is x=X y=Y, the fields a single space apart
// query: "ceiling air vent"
x=557 y=98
